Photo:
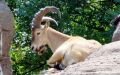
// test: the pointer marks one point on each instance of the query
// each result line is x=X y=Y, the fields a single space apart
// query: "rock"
x=51 y=71
x=116 y=23
x=6 y=36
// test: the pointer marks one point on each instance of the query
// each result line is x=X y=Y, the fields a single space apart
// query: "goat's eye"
x=38 y=33
x=43 y=22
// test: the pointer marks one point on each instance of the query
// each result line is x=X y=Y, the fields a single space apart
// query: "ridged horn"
x=43 y=11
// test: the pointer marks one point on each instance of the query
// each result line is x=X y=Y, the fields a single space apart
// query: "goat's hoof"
x=59 y=66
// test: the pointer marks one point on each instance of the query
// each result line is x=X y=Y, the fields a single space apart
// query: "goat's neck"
x=55 y=38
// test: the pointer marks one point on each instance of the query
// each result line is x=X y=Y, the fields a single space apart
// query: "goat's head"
x=39 y=28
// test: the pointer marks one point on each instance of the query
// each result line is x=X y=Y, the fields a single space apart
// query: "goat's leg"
x=55 y=58
x=72 y=57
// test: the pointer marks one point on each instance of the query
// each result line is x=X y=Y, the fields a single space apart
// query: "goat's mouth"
x=41 y=49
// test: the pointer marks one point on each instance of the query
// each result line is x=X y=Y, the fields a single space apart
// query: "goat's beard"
x=42 y=50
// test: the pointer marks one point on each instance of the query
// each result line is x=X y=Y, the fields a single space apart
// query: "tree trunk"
x=6 y=36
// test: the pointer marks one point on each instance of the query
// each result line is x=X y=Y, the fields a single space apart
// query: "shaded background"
x=87 y=18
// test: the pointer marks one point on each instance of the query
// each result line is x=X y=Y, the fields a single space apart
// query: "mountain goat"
x=66 y=49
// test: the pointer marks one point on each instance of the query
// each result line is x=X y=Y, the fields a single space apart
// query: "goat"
x=66 y=49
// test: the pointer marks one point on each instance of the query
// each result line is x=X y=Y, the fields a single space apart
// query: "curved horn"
x=49 y=19
x=39 y=15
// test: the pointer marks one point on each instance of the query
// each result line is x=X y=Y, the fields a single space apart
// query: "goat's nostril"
x=32 y=48
x=40 y=47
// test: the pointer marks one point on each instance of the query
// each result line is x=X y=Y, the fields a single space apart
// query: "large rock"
x=105 y=61
x=6 y=36
x=116 y=23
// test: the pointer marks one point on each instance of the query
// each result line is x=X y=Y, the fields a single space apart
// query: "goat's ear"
x=42 y=26
x=47 y=24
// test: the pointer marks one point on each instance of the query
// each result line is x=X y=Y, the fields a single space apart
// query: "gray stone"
x=6 y=36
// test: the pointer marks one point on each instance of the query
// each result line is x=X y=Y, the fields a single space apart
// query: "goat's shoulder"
x=76 y=38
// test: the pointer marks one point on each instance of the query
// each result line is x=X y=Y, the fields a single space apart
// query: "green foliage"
x=86 y=18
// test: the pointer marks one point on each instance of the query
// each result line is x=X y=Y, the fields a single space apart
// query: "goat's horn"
x=50 y=19
x=38 y=16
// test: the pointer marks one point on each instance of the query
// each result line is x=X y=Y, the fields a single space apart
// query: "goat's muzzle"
x=40 y=50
